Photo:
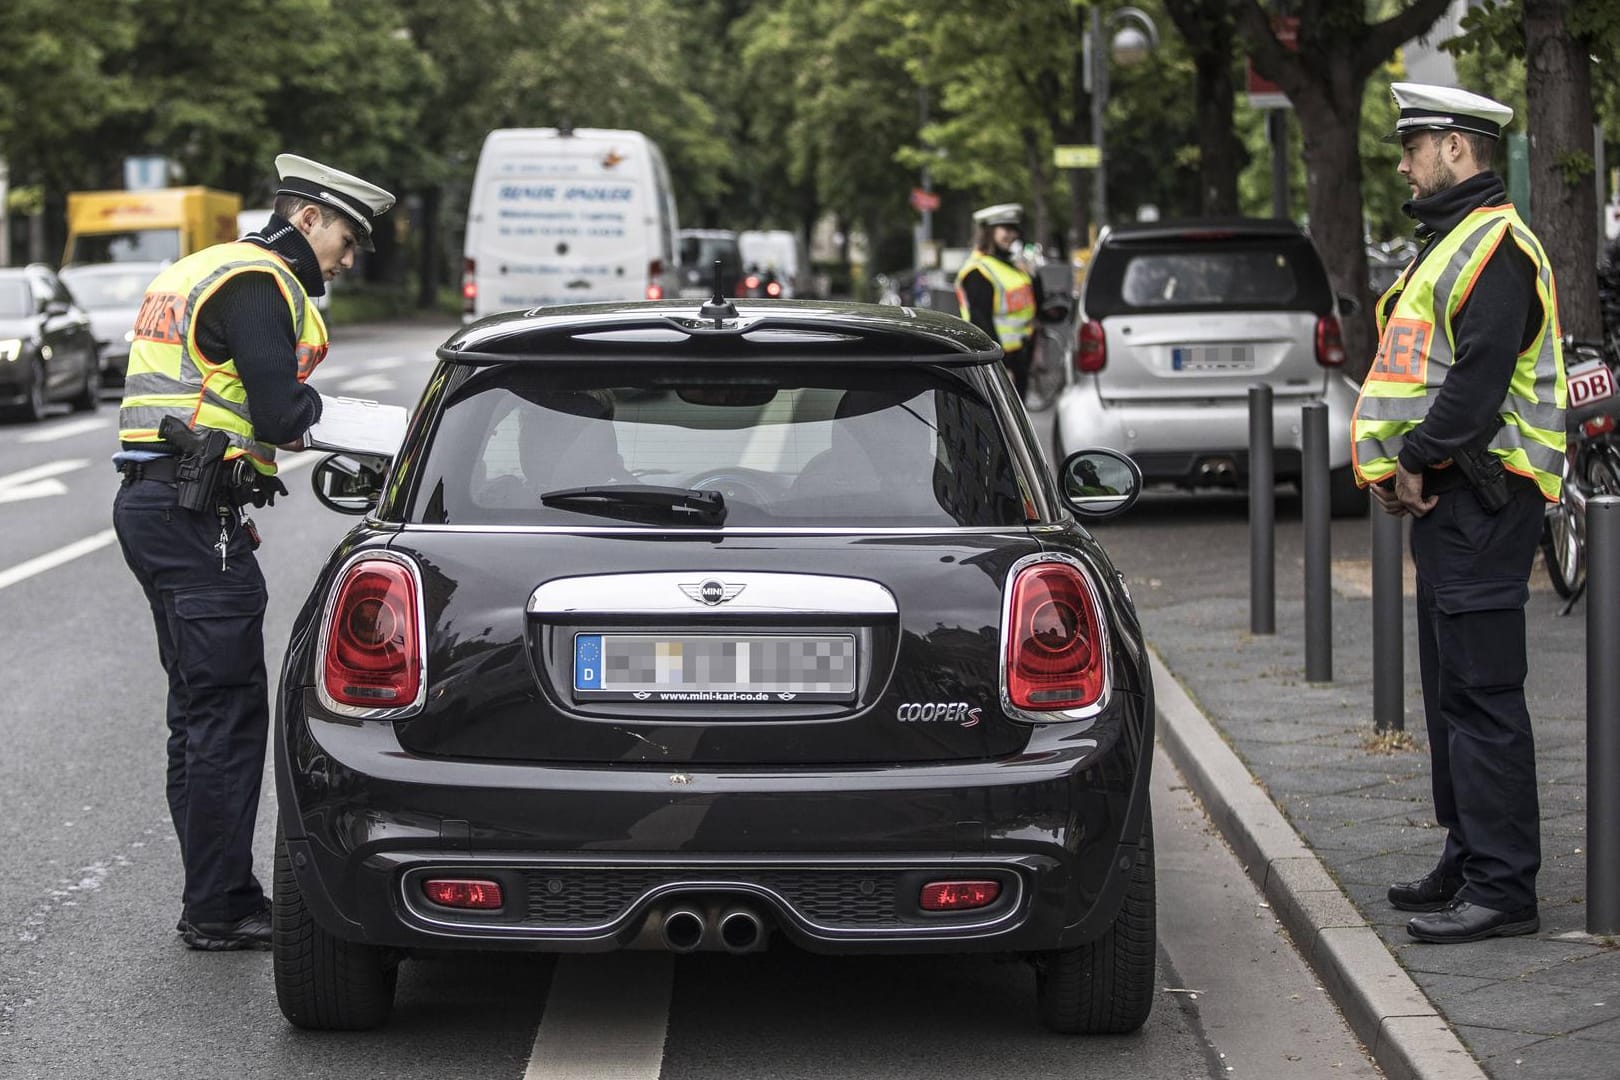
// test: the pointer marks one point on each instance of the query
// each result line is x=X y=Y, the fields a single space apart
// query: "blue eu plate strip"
x=587 y=661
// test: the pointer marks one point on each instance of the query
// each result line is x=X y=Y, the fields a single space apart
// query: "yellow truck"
x=147 y=226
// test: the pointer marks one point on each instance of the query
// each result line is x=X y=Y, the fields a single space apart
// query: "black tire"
x=33 y=408
x=324 y=983
x=1106 y=987
x=1345 y=499
x=1563 y=550
x=88 y=399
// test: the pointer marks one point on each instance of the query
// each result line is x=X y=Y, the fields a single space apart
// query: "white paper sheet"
x=358 y=426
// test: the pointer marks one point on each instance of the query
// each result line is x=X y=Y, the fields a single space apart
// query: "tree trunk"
x=1558 y=83
x=1333 y=194
x=1039 y=218
x=1206 y=28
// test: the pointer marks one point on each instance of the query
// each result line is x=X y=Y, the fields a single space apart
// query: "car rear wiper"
x=643 y=502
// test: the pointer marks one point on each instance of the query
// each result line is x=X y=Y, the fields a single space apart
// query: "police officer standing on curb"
x=1460 y=424
x=995 y=293
x=223 y=343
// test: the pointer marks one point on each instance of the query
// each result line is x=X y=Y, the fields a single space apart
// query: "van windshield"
x=135 y=245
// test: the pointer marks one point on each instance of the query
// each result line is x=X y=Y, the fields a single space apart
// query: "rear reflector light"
x=469 y=286
x=1598 y=425
x=958 y=895
x=1092 y=354
x=1055 y=655
x=373 y=641
x=454 y=892
x=1329 y=341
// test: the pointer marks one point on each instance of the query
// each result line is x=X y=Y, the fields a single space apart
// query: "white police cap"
x=1000 y=214
x=1445 y=108
x=361 y=202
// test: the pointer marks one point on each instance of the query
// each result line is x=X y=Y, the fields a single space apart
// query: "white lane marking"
x=52 y=559
x=365 y=383
x=382 y=363
x=606 y=1018
x=63 y=431
x=37 y=482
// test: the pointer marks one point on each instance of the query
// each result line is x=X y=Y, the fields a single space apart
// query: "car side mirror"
x=347 y=484
x=1349 y=305
x=54 y=308
x=1099 y=483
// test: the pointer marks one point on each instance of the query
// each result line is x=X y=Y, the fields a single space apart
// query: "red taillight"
x=373 y=656
x=773 y=288
x=1329 y=341
x=469 y=286
x=655 y=270
x=454 y=892
x=751 y=282
x=1055 y=658
x=1598 y=425
x=655 y=291
x=1093 y=351
x=958 y=895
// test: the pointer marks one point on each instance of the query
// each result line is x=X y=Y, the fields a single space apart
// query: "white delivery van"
x=779 y=250
x=568 y=217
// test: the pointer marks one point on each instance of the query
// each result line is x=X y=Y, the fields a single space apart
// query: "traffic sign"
x=923 y=200
x=1076 y=157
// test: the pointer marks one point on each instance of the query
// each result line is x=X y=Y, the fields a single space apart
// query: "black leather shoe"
x=1431 y=892
x=1463 y=921
x=248 y=932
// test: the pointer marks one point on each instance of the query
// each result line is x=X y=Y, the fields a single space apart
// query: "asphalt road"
x=94 y=983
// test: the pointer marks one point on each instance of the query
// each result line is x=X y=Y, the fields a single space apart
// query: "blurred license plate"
x=1212 y=358
x=715 y=667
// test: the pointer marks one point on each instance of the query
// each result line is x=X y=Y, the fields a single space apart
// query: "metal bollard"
x=1317 y=511
x=1388 y=629
x=1262 y=516
x=1603 y=715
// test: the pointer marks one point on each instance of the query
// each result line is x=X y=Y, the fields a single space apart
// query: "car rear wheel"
x=88 y=399
x=324 y=983
x=1345 y=499
x=1106 y=987
x=33 y=407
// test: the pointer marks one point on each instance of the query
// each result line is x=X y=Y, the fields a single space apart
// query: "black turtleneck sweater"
x=1499 y=320
x=247 y=320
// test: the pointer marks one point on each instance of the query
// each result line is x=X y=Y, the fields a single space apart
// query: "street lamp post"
x=1131 y=44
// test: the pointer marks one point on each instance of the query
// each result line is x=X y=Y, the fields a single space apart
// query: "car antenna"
x=717 y=307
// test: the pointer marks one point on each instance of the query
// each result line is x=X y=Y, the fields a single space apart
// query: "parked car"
x=1177 y=321
x=47 y=352
x=699 y=249
x=780 y=254
x=111 y=293
x=689 y=627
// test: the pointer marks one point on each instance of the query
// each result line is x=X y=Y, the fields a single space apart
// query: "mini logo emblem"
x=680 y=778
x=787 y=695
x=641 y=695
x=712 y=592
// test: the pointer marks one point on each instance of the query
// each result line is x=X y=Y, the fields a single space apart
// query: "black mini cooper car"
x=689 y=627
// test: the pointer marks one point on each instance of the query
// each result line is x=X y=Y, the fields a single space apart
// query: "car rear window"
x=822 y=445
x=1268 y=273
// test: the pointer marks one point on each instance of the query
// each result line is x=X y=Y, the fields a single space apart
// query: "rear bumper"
x=1171 y=439
x=591 y=858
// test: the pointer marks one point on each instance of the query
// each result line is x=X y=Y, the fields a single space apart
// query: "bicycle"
x=1591 y=466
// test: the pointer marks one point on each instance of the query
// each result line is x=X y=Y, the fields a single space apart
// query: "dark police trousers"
x=1473 y=572
x=210 y=632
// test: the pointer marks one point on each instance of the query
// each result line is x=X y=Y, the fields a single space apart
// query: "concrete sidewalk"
x=1356 y=814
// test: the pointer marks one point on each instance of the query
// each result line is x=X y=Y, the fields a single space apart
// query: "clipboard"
x=357 y=426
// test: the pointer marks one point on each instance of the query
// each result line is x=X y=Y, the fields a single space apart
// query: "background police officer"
x=225 y=339
x=996 y=294
x=1460 y=425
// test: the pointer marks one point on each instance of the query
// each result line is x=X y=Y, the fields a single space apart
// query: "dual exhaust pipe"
x=1217 y=472
x=737 y=930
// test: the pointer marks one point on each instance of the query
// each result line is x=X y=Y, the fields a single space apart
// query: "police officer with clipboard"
x=223 y=343
x=1460 y=425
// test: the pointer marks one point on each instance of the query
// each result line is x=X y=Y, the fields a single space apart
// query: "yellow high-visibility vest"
x=1013 y=308
x=168 y=374
x=1415 y=352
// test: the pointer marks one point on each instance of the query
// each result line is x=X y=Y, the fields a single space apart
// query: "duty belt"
x=163 y=469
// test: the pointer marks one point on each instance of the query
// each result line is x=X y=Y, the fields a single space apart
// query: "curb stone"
x=1406 y=1036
